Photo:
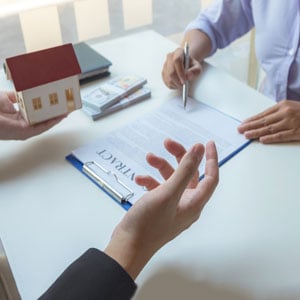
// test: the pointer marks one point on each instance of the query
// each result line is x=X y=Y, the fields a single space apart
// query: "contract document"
x=114 y=160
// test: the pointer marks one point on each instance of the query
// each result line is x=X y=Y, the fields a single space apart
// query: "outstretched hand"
x=12 y=124
x=167 y=209
x=278 y=124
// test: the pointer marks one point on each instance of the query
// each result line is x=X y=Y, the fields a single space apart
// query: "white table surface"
x=246 y=244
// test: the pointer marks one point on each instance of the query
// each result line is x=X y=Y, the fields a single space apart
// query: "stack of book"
x=115 y=94
x=93 y=65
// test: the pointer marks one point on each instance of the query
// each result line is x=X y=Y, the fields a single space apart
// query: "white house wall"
x=49 y=111
x=22 y=108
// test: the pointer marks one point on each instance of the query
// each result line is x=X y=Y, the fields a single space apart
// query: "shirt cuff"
x=203 y=26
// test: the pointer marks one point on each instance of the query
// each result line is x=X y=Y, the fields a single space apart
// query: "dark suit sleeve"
x=94 y=275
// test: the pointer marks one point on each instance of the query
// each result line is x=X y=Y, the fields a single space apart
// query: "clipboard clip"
x=108 y=180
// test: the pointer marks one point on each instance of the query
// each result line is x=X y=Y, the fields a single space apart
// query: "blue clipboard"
x=119 y=192
x=106 y=186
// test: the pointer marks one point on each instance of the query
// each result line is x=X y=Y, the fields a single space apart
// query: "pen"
x=185 y=88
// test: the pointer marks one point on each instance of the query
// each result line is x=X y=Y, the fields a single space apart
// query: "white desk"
x=246 y=244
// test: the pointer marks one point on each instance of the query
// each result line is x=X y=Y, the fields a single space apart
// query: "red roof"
x=41 y=67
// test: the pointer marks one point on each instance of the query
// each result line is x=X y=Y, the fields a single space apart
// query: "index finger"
x=178 y=151
x=262 y=114
x=187 y=168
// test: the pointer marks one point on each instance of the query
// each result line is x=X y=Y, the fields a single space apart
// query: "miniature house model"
x=46 y=82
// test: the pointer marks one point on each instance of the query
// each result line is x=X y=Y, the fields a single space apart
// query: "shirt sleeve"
x=224 y=21
x=94 y=275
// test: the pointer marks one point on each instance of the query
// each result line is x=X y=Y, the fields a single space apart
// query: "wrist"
x=199 y=44
x=130 y=255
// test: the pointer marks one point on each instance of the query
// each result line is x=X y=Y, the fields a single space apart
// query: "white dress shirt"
x=277 y=25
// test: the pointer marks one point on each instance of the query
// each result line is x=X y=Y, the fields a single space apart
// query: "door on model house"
x=70 y=99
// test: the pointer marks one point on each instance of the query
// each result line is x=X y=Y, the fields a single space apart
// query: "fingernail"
x=195 y=150
x=248 y=134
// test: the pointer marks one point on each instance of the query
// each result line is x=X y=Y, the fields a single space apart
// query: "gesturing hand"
x=167 y=209
x=12 y=124
x=278 y=124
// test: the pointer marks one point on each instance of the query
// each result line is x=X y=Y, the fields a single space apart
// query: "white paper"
x=123 y=151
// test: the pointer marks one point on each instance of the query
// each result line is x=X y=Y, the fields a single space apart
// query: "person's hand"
x=173 y=73
x=168 y=209
x=12 y=124
x=278 y=124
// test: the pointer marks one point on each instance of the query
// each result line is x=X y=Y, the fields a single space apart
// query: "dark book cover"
x=92 y=63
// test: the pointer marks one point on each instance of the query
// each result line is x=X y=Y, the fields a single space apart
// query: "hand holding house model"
x=46 y=82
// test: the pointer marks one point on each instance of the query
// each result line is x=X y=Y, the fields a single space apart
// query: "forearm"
x=199 y=44
x=132 y=257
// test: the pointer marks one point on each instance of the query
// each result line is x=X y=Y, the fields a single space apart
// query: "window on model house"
x=70 y=99
x=69 y=94
x=53 y=99
x=37 y=103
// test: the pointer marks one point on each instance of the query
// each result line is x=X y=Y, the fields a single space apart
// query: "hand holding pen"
x=178 y=72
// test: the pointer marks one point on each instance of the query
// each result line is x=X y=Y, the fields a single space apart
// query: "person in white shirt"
x=277 y=30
